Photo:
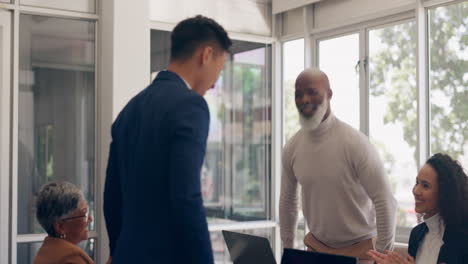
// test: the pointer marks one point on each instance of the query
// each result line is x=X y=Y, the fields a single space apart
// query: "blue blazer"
x=152 y=199
x=453 y=251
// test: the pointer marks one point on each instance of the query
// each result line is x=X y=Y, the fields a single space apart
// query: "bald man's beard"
x=313 y=122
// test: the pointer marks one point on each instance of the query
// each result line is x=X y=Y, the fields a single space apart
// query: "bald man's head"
x=312 y=88
x=313 y=75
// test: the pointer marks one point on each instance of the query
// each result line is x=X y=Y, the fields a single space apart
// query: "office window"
x=448 y=80
x=393 y=112
x=236 y=173
x=56 y=110
x=338 y=58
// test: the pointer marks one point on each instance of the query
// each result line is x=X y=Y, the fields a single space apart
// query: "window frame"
x=11 y=203
x=417 y=13
x=5 y=136
x=84 y=6
x=363 y=29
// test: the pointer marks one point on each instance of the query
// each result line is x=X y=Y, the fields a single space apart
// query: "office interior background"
x=398 y=69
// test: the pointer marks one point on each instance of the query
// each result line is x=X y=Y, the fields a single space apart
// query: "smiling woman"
x=64 y=214
x=440 y=193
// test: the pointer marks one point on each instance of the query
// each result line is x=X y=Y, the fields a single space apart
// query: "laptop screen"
x=248 y=249
x=293 y=256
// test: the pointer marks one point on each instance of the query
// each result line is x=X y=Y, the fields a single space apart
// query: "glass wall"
x=341 y=66
x=393 y=111
x=56 y=110
x=236 y=173
x=448 y=80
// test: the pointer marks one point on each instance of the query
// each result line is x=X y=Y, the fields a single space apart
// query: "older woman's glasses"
x=85 y=215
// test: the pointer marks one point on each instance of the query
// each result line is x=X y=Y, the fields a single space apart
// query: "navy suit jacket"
x=152 y=199
x=453 y=251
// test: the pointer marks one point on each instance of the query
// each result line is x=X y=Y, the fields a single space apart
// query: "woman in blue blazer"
x=441 y=196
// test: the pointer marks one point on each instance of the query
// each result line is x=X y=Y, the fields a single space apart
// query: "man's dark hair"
x=453 y=193
x=193 y=32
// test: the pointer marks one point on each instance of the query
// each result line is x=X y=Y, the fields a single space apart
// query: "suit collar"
x=172 y=76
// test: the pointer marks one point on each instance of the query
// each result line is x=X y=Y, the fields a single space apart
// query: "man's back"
x=153 y=205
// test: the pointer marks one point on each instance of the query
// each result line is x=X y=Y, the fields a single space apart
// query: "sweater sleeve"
x=288 y=200
x=371 y=174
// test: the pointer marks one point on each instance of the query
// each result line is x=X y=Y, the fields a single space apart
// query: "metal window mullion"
x=363 y=82
x=315 y=51
x=102 y=244
x=14 y=137
x=438 y=3
x=267 y=129
x=277 y=118
x=7 y=6
x=232 y=144
x=308 y=22
x=5 y=135
x=277 y=125
x=50 y=12
x=423 y=146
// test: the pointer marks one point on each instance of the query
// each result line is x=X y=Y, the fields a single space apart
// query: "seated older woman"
x=64 y=214
x=441 y=196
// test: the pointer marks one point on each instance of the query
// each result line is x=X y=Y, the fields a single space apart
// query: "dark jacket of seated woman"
x=454 y=250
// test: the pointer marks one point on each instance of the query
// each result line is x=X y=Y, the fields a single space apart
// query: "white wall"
x=125 y=49
x=293 y=22
x=239 y=16
x=124 y=70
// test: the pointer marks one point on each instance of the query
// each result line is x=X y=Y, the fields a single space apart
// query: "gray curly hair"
x=54 y=201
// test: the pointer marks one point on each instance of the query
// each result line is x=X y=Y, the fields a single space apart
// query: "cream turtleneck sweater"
x=346 y=197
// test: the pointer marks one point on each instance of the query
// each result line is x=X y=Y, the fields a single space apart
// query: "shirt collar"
x=435 y=224
x=186 y=83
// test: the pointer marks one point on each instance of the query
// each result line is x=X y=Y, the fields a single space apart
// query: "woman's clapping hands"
x=390 y=258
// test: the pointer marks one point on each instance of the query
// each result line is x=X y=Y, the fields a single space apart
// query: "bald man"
x=346 y=197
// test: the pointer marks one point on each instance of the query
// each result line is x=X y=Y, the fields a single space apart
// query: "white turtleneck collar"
x=436 y=225
x=325 y=125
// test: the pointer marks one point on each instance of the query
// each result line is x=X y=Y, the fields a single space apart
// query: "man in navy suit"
x=153 y=205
